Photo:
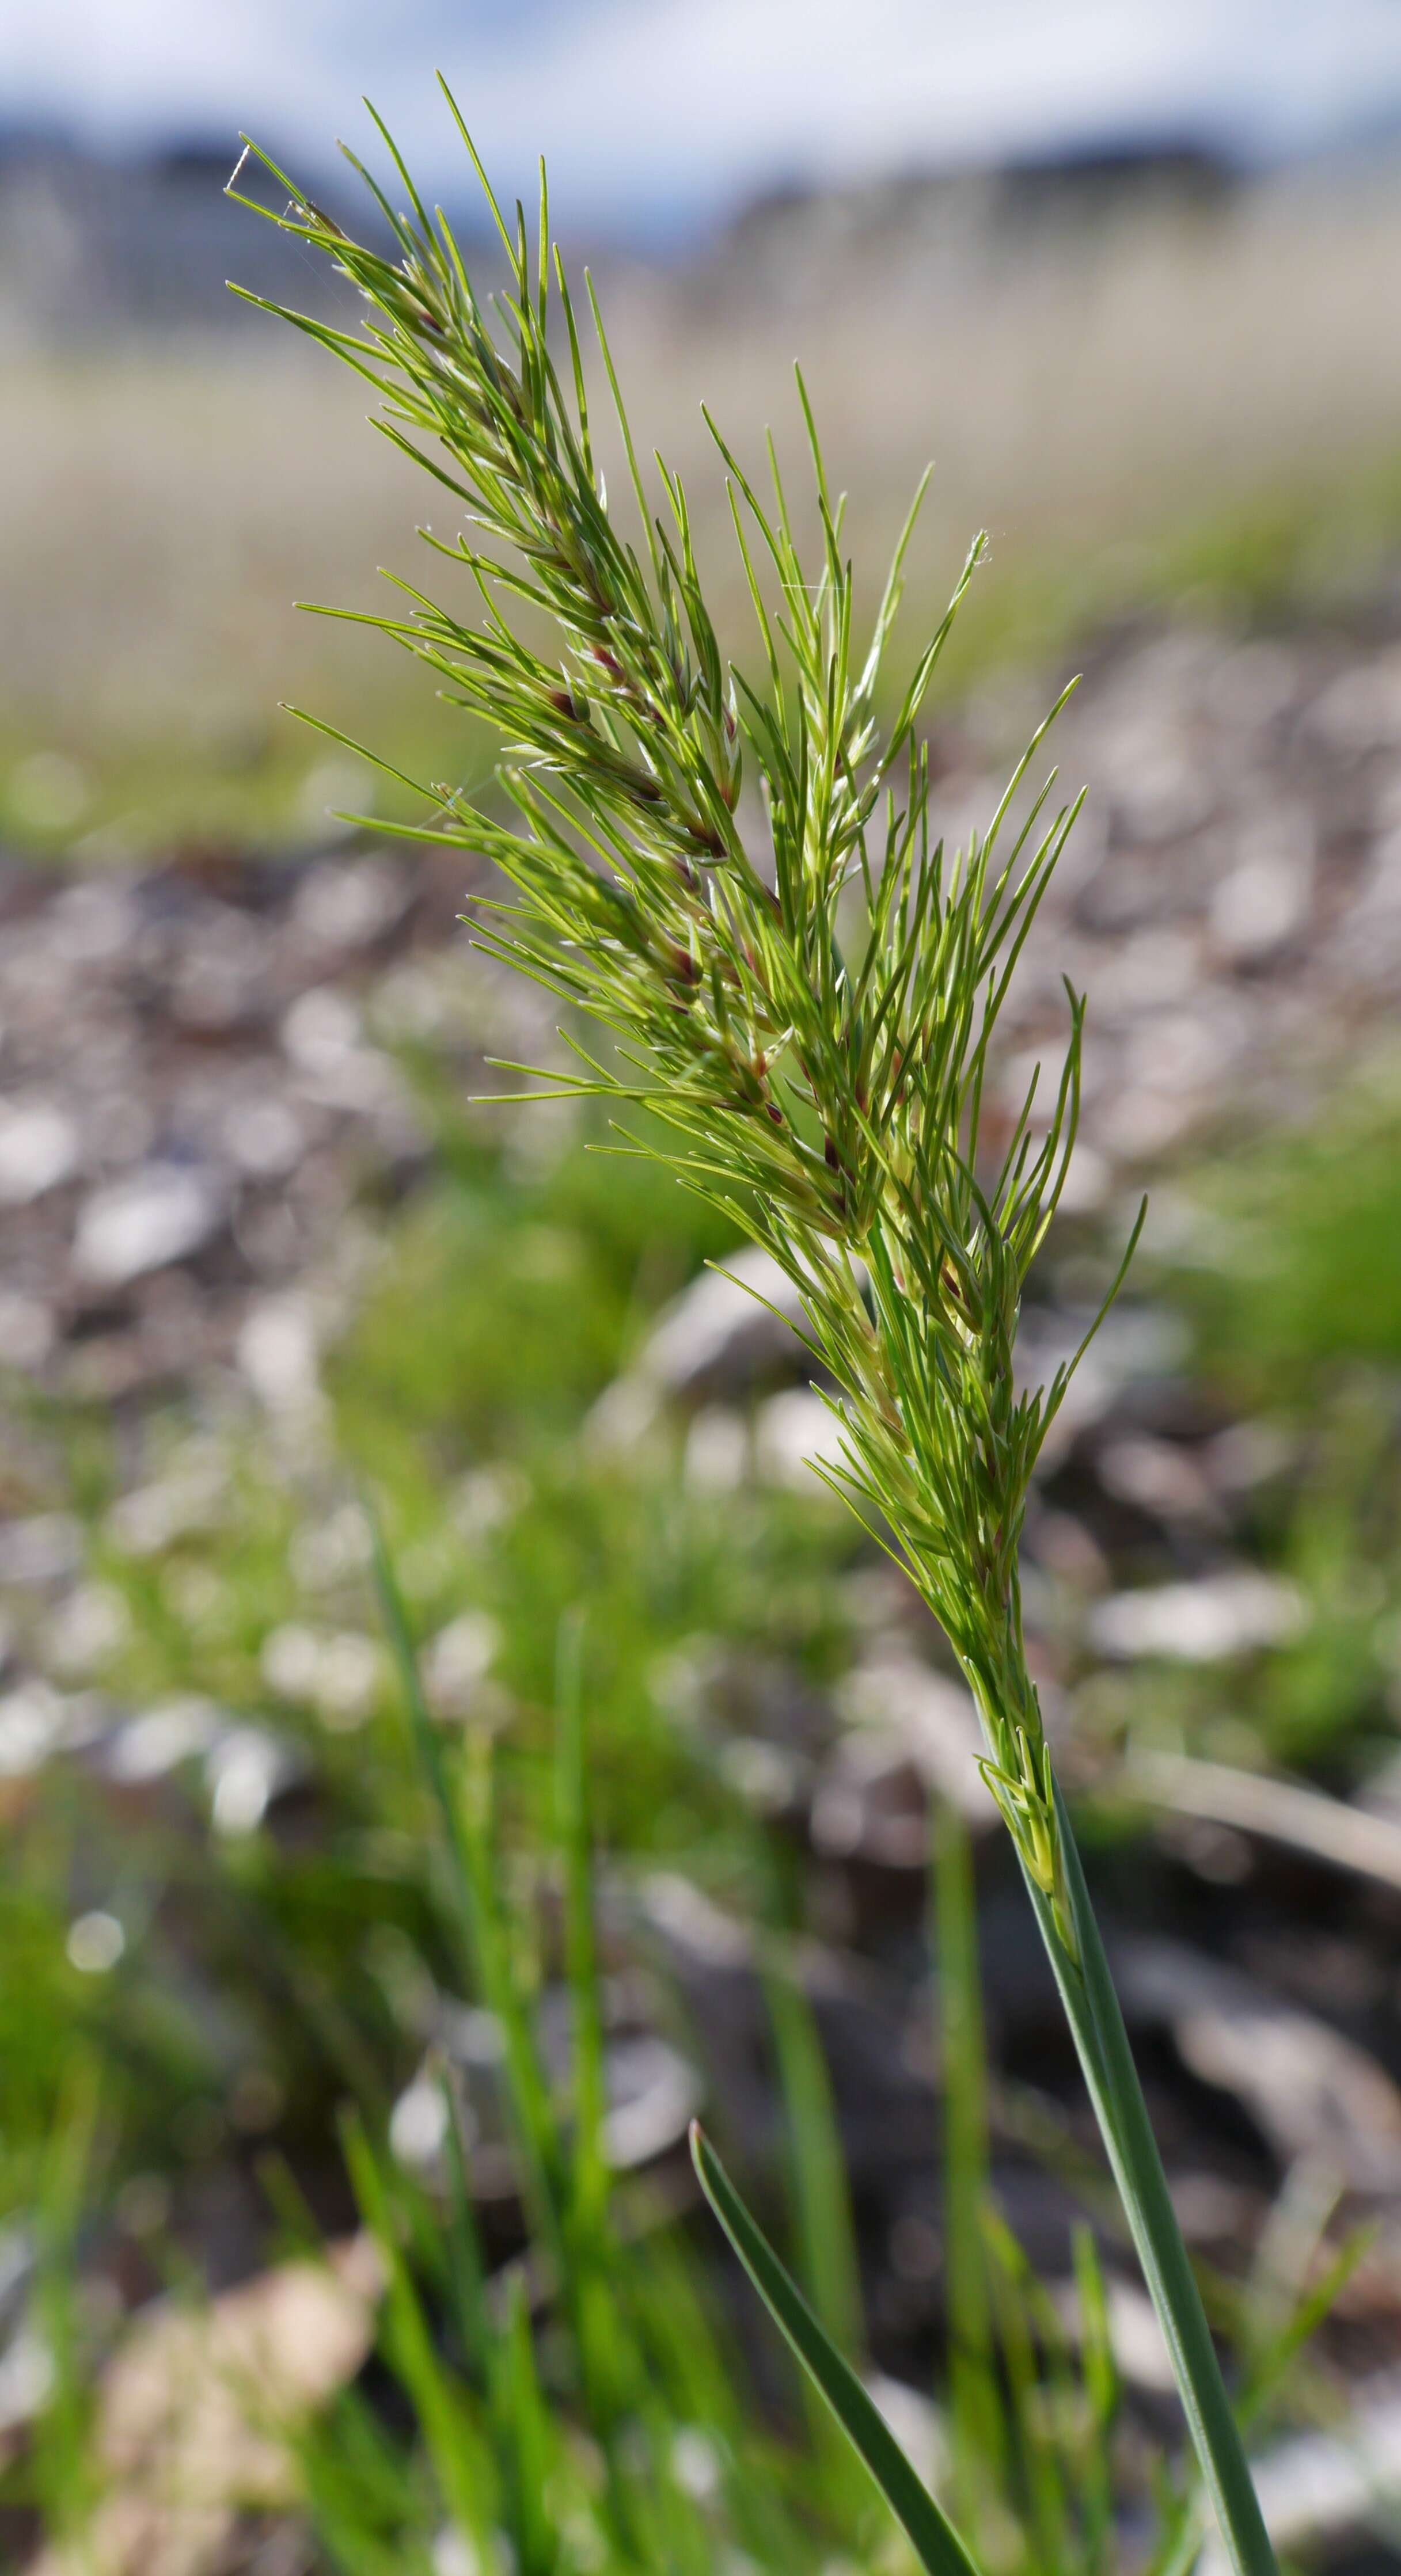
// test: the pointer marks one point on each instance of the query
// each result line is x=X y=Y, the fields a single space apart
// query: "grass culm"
x=737 y=879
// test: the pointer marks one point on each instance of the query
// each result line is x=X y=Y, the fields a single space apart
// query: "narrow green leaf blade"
x=932 y=2535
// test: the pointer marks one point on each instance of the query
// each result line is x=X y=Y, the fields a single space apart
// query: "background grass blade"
x=824 y=2226
x=931 y=2533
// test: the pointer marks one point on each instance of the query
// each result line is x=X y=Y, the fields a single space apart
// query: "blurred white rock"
x=39 y=1148
x=1206 y=1622
x=159 y=1214
x=790 y=1431
x=456 y=1663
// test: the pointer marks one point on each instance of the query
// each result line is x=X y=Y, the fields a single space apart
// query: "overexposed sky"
x=691 y=104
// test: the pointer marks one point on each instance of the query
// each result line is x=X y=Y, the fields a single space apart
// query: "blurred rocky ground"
x=205 y=1108
x=217 y=1089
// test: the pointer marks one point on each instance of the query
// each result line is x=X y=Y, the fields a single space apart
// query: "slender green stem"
x=1097 y=2026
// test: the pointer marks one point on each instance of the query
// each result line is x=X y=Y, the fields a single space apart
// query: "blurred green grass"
x=1294 y=1249
x=1285 y=1268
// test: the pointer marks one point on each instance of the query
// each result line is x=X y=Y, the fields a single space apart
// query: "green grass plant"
x=588 y=2405
x=585 y=2407
x=739 y=880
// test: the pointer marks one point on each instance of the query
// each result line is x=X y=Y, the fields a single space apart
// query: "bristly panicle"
x=738 y=879
x=802 y=986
